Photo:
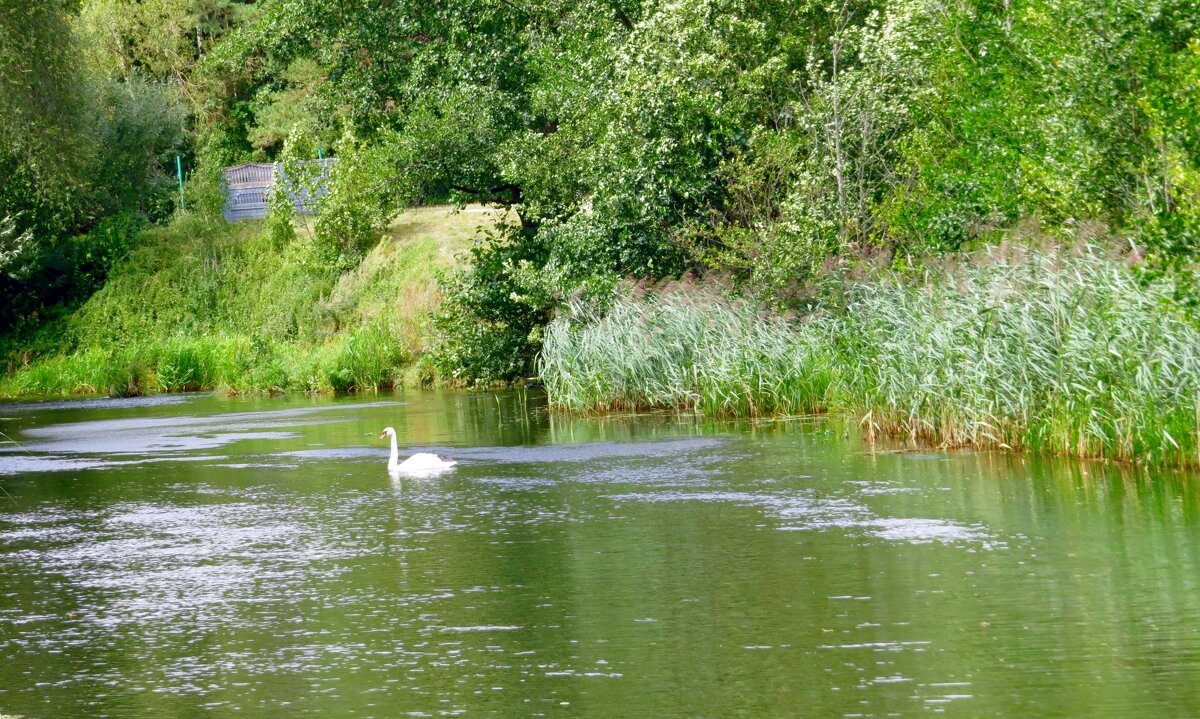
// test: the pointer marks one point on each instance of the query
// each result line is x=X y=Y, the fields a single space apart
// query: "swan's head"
x=388 y=432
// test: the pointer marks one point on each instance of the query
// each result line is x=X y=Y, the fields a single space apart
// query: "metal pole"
x=319 y=156
x=179 y=171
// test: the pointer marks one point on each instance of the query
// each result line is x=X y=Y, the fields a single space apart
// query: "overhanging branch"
x=513 y=192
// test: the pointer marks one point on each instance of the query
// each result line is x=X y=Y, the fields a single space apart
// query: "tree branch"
x=514 y=192
x=622 y=16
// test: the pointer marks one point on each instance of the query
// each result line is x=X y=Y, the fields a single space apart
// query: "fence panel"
x=248 y=189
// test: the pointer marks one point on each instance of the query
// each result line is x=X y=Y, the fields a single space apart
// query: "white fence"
x=248 y=189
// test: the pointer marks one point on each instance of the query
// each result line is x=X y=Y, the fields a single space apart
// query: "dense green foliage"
x=764 y=138
x=82 y=153
x=1070 y=355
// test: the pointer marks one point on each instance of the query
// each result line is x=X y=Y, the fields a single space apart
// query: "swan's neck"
x=394 y=460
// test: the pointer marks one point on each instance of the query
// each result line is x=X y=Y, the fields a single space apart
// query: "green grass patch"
x=207 y=305
x=1043 y=352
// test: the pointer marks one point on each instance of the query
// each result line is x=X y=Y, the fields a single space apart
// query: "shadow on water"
x=200 y=554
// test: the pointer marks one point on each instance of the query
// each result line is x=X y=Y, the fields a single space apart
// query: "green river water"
x=199 y=556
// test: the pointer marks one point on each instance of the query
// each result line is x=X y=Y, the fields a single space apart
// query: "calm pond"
x=187 y=556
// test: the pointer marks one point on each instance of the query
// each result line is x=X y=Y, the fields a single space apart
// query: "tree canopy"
x=765 y=139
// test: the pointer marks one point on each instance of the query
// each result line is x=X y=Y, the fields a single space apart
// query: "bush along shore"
x=1038 y=352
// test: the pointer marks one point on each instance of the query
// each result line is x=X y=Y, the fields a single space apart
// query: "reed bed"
x=694 y=350
x=1042 y=352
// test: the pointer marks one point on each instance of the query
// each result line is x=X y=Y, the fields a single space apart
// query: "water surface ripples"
x=197 y=555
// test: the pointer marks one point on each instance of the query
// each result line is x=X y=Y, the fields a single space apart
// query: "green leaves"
x=76 y=146
x=489 y=326
x=771 y=139
x=15 y=249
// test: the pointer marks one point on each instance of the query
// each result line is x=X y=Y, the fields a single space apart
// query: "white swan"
x=420 y=463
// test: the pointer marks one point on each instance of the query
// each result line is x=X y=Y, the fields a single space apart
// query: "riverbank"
x=1060 y=352
x=1043 y=352
x=201 y=304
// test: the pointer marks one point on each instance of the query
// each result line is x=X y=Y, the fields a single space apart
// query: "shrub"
x=488 y=328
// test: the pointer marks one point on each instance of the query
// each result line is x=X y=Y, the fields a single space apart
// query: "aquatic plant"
x=1043 y=352
x=683 y=350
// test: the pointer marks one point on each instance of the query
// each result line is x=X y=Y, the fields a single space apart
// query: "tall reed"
x=683 y=350
x=1065 y=354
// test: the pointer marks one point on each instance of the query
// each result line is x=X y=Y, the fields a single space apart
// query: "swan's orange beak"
x=382 y=435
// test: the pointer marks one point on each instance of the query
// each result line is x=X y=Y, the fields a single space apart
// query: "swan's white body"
x=420 y=463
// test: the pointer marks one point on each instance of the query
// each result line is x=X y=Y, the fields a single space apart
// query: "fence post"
x=179 y=171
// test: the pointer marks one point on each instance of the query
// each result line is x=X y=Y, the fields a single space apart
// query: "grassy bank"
x=206 y=305
x=1041 y=352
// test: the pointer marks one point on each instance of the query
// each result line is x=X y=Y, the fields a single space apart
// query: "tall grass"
x=205 y=305
x=368 y=359
x=684 y=350
x=1042 y=352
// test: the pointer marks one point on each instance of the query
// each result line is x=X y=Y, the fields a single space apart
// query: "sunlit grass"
x=212 y=306
x=1069 y=355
